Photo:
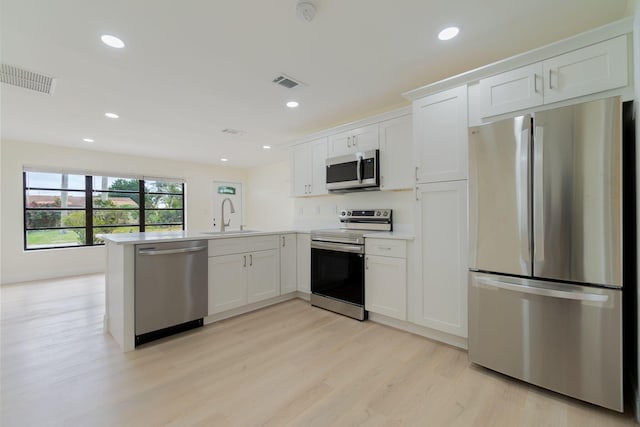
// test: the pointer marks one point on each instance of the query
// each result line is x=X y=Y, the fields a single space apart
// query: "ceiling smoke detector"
x=27 y=79
x=305 y=11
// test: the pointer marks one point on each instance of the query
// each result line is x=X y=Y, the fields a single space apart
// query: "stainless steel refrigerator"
x=546 y=249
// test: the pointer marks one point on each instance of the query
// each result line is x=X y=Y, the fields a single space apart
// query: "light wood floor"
x=289 y=364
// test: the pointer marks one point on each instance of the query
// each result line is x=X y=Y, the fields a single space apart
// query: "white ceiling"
x=191 y=68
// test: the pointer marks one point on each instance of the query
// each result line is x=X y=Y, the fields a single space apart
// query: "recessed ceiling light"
x=111 y=115
x=112 y=41
x=292 y=104
x=224 y=160
x=88 y=140
x=448 y=33
x=266 y=147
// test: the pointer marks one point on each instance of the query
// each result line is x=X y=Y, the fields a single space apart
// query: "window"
x=67 y=210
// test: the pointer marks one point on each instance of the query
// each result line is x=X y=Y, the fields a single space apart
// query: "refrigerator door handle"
x=538 y=195
x=576 y=296
x=524 y=218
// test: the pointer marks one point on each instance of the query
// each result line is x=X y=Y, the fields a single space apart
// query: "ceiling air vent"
x=288 y=82
x=26 y=79
x=231 y=131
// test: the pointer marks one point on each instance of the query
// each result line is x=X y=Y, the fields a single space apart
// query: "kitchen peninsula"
x=236 y=260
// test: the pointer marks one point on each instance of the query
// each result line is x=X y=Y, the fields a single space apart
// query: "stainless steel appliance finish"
x=577 y=193
x=563 y=337
x=337 y=261
x=170 y=284
x=545 y=223
x=353 y=172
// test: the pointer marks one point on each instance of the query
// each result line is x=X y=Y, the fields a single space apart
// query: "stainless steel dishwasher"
x=170 y=288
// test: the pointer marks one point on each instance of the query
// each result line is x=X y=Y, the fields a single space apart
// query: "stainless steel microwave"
x=354 y=172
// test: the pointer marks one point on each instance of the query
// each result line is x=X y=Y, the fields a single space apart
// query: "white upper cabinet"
x=440 y=136
x=596 y=68
x=511 y=91
x=354 y=140
x=396 y=139
x=308 y=168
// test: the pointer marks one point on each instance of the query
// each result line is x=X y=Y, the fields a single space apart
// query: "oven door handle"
x=338 y=247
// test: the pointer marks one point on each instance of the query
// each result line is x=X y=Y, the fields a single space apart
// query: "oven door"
x=337 y=271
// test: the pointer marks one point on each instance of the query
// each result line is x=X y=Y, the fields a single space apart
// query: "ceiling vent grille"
x=26 y=79
x=288 y=82
x=231 y=131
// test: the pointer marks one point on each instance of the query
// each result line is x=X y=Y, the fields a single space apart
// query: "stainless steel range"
x=337 y=261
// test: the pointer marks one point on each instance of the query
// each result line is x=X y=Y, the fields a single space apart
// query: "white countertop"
x=175 y=236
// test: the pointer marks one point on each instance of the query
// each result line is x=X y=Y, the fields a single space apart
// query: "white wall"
x=267 y=200
x=322 y=212
x=18 y=265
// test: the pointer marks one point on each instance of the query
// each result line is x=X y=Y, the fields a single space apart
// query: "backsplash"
x=322 y=211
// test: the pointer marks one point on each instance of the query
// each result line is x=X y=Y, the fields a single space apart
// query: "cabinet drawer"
x=234 y=245
x=263 y=243
x=386 y=247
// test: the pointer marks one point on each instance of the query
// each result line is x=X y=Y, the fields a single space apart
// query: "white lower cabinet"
x=227 y=282
x=263 y=275
x=288 y=263
x=439 y=295
x=304 y=263
x=385 y=281
x=239 y=275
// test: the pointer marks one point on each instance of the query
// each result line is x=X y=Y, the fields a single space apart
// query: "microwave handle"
x=359 y=169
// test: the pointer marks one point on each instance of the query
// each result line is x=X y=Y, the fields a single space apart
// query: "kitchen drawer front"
x=234 y=245
x=386 y=247
x=263 y=243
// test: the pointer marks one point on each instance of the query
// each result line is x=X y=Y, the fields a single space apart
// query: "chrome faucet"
x=233 y=210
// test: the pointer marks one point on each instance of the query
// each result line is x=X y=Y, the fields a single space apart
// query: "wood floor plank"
x=285 y=365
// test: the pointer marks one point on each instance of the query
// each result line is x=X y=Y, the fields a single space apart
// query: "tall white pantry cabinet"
x=439 y=295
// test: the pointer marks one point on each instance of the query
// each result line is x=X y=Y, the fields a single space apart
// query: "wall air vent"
x=288 y=82
x=26 y=79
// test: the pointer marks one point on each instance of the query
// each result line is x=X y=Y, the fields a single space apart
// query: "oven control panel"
x=365 y=214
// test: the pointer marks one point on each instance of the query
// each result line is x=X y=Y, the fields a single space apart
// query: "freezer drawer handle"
x=578 y=296
x=170 y=251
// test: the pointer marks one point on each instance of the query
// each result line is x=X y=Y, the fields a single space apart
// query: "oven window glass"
x=342 y=172
x=338 y=275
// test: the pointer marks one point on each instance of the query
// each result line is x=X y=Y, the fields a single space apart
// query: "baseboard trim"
x=423 y=331
x=30 y=277
x=249 y=308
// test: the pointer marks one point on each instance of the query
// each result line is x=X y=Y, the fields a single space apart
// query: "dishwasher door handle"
x=153 y=251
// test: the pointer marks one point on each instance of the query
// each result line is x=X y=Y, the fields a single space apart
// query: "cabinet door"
x=318 y=167
x=288 y=263
x=227 y=282
x=511 y=91
x=592 y=69
x=385 y=281
x=339 y=144
x=354 y=140
x=365 y=138
x=304 y=263
x=440 y=294
x=263 y=275
x=301 y=170
x=396 y=142
x=440 y=136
